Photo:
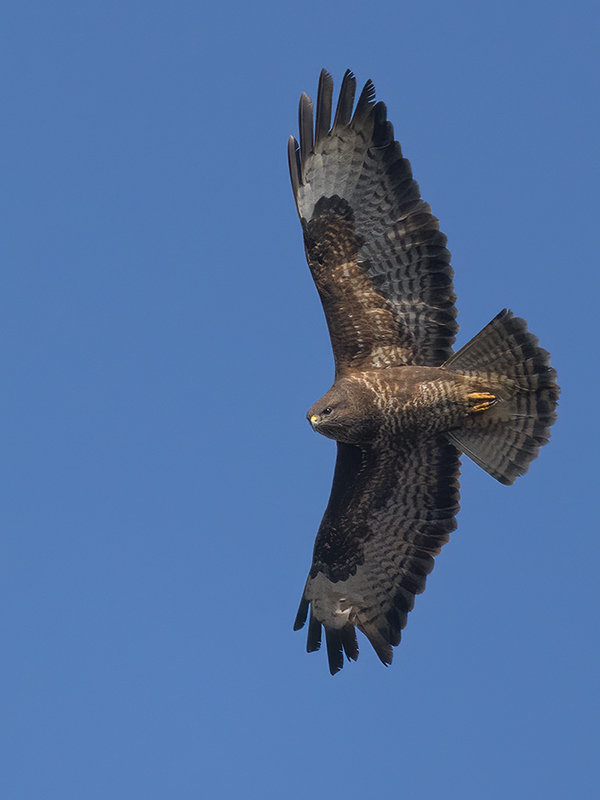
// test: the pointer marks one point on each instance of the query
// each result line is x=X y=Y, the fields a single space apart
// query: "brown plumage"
x=402 y=407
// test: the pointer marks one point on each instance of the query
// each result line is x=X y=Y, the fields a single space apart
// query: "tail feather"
x=507 y=358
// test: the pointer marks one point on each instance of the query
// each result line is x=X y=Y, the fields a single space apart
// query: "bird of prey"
x=403 y=405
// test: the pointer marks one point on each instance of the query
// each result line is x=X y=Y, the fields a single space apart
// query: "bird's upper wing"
x=375 y=250
x=391 y=509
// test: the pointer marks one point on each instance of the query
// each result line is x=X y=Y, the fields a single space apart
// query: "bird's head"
x=340 y=415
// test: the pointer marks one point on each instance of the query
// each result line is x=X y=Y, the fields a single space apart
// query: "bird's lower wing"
x=391 y=509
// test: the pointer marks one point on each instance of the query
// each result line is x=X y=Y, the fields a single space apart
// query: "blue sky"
x=161 y=342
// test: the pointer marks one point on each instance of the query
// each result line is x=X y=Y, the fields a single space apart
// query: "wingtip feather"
x=349 y=642
x=301 y=615
x=343 y=111
x=324 y=100
x=335 y=651
x=366 y=101
x=313 y=640
x=379 y=643
x=295 y=166
x=305 y=123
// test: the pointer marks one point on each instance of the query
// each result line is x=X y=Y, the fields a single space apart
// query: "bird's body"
x=403 y=405
x=400 y=401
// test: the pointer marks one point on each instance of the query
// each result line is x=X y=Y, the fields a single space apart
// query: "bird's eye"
x=326 y=411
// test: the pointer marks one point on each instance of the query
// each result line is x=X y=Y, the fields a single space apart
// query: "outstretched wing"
x=391 y=509
x=374 y=248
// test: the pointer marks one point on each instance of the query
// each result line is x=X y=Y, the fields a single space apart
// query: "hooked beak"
x=313 y=420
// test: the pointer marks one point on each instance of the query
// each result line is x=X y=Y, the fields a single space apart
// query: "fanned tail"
x=508 y=360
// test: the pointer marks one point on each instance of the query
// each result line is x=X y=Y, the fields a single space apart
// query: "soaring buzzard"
x=403 y=406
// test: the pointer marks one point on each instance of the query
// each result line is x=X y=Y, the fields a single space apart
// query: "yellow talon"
x=485 y=400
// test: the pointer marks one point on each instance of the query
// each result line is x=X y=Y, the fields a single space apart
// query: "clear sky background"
x=161 y=342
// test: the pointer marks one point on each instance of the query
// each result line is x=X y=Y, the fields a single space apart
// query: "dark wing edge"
x=399 y=292
x=388 y=516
